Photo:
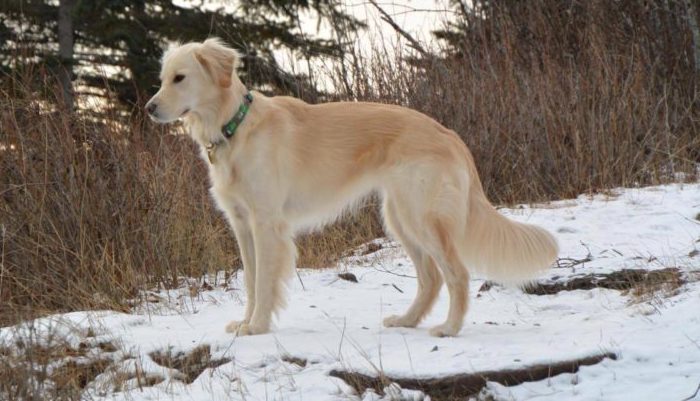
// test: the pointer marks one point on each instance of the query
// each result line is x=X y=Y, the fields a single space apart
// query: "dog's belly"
x=312 y=208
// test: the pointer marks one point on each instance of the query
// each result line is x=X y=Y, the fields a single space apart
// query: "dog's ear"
x=218 y=60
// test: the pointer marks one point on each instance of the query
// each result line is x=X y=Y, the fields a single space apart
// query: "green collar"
x=232 y=125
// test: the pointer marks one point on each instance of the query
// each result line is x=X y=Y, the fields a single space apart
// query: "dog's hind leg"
x=432 y=211
x=429 y=279
x=455 y=274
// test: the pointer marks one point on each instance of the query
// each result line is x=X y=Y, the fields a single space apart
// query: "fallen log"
x=625 y=279
x=465 y=385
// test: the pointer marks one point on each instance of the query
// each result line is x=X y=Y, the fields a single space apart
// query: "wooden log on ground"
x=464 y=385
x=625 y=279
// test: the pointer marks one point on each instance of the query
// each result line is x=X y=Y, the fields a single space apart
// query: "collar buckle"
x=211 y=147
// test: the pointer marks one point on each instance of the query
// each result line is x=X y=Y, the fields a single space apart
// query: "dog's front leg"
x=274 y=256
x=246 y=245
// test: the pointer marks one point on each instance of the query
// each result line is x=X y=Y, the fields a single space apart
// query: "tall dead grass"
x=94 y=208
x=554 y=98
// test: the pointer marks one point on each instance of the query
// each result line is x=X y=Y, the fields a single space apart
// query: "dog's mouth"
x=160 y=120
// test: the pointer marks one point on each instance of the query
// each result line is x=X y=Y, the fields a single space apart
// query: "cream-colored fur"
x=293 y=166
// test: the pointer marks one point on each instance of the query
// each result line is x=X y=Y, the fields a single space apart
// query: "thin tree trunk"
x=692 y=11
x=65 y=50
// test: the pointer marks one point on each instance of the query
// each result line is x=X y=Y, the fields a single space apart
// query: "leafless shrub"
x=92 y=210
x=554 y=98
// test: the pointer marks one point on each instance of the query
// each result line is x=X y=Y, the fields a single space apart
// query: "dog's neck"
x=205 y=124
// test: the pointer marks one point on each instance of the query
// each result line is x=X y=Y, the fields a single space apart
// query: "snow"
x=336 y=324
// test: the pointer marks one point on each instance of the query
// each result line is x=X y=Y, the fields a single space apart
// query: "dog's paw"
x=444 y=330
x=399 y=321
x=235 y=325
x=247 y=329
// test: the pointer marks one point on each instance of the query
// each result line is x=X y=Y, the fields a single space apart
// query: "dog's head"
x=192 y=78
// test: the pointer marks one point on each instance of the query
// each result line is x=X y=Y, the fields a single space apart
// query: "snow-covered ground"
x=336 y=324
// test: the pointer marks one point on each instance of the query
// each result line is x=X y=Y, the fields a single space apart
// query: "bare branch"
x=413 y=42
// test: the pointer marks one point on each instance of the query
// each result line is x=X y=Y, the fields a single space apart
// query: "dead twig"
x=384 y=270
x=565 y=263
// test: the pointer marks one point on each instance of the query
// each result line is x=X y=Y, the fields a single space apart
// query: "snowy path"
x=336 y=324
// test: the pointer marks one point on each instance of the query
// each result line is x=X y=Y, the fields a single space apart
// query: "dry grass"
x=190 y=365
x=49 y=367
x=95 y=210
x=555 y=98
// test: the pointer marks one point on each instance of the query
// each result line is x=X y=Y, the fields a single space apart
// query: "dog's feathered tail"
x=503 y=250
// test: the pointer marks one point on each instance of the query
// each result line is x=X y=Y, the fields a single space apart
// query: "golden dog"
x=279 y=165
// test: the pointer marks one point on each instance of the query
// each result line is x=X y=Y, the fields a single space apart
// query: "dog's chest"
x=224 y=174
x=232 y=179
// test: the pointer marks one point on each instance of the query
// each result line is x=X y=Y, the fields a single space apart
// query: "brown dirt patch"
x=190 y=364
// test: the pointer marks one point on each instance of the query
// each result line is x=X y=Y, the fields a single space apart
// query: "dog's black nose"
x=151 y=108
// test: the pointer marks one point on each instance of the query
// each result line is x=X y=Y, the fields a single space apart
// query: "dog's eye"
x=178 y=78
